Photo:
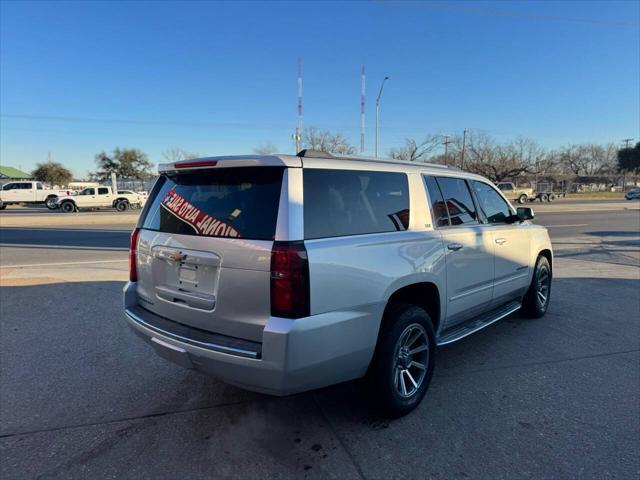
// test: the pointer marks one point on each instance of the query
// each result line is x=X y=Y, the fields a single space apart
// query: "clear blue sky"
x=219 y=78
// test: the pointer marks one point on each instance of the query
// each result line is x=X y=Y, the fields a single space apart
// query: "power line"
x=626 y=142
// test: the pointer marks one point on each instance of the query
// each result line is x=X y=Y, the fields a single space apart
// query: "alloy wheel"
x=411 y=360
x=543 y=287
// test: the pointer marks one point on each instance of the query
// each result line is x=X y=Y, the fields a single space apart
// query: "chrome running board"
x=458 y=332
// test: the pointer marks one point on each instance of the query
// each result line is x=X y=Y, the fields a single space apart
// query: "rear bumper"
x=294 y=356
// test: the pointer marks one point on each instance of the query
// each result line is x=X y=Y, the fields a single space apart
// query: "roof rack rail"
x=309 y=153
x=394 y=160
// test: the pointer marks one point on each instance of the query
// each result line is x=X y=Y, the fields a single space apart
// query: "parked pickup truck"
x=99 y=197
x=29 y=193
x=516 y=194
x=524 y=195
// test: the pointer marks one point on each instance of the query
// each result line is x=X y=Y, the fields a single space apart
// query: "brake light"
x=133 y=246
x=196 y=163
x=289 y=280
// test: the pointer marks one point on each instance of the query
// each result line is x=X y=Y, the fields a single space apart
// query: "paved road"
x=81 y=397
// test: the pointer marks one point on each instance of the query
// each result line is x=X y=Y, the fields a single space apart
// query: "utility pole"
x=624 y=173
x=362 y=103
x=446 y=143
x=378 y=113
x=464 y=144
x=298 y=135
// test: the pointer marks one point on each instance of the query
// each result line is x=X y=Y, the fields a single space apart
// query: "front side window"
x=9 y=186
x=438 y=207
x=25 y=186
x=103 y=191
x=88 y=191
x=458 y=200
x=495 y=209
x=505 y=187
x=39 y=186
x=350 y=202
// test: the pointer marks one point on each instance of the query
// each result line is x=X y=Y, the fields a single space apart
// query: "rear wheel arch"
x=423 y=294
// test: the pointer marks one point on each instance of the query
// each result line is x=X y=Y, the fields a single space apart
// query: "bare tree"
x=176 y=154
x=265 y=148
x=413 y=151
x=589 y=159
x=499 y=162
x=326 y=141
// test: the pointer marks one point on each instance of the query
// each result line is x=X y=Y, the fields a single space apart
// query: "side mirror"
x=525 y=213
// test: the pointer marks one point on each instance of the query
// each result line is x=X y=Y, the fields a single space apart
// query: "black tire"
x=552 y=197
x=385 y=377
x=522 y=199
x=50 y=203
x=536 y=300
x=68 y=207
x=122 y=206
x=3 y=206
x=544 y=197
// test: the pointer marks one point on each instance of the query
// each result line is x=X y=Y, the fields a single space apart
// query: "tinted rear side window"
x=458 y=199
x=438 y=207
x=349 y=202
x=228 y=202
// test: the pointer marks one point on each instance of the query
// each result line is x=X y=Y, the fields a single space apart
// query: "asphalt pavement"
x=81 y=397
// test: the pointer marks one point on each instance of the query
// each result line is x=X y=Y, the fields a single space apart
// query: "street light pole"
x=378 y=113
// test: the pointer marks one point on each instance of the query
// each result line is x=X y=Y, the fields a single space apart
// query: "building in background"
x=10 y=174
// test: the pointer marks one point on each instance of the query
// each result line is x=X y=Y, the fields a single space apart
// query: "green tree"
x=125 y=163
x=629 y=159
x=52 y=173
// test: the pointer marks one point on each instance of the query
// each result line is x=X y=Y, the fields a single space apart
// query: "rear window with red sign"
x=226 y=202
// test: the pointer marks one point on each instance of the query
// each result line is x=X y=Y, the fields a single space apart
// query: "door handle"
x=500 y=241
x=454 y=246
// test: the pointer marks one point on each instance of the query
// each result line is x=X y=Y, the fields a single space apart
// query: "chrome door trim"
x=471 y=292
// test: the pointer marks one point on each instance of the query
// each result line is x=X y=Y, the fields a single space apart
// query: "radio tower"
x=298 y=134
x=362 y=92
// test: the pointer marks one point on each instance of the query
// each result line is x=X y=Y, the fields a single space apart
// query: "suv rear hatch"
x=204 y=248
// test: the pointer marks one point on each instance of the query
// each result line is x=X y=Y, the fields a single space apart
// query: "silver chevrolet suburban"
x=281 y=274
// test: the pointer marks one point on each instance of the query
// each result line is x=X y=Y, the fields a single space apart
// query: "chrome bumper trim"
x=210 y=346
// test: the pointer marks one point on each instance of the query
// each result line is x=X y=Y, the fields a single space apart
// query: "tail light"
x=289 y=280
x=133 y=246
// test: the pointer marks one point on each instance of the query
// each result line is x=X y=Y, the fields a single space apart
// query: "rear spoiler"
x=230 y=161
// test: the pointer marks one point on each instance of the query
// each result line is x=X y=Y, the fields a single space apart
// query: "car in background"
x=30 y=193
x=633 y=194
x=94 y=198
x=141 y=197
x=516 y=194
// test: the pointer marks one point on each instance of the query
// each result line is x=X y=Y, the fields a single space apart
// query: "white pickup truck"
x=29 y=193
x=100 y=197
